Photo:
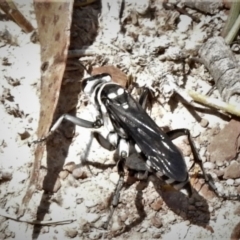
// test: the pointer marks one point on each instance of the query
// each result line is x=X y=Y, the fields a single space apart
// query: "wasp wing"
x=163 y=155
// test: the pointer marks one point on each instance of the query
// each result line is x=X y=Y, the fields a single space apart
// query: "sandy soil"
x=88 y=174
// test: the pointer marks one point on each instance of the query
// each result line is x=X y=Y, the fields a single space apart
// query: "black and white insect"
x=142 y=146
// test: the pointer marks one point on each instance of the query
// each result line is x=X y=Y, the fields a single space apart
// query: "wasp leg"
x=123 y=150
x=137 y=166
x=146 y=98
x=116 y=195
x=185 y=132
x=139 y=175
x=75 y=120
x=106 y=143
x=181 y=132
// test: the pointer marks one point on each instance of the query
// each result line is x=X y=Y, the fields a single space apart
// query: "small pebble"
x=207 y=193
x=123 y=216
x=63 y=174
x=157 y=204
x=237 y=181
x=142 y=6
x=79 y=200
x=70 y=166
x=113 y=177
x=78 y=173
x=72 y=233
x=156 y=235
x=230 y=182
x=208 y=165
x=235 y=48
x=219 y=173
x=204 y=123
x=228 y=163
x=128 y=221
x=232 y=171
x=219 y=163
x=210 y=209
x=187 y=222
x=116 y=226
x=156 y=222
x=184 y=24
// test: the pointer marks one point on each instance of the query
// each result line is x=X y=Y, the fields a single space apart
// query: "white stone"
x=91 y=217
x=116 y=226
x=230 y=182
x=184 y=24
x=168 y=218
x=208 y=165
x=237 y=181
x=113 y=177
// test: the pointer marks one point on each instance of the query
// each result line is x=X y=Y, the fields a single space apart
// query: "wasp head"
x=90 y=84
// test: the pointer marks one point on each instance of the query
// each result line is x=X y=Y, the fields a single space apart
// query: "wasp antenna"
x=88 y=72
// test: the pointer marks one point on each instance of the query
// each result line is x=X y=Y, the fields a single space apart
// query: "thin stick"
x=9 y=7
x=232 y=17
x=215 y=103
x=36 y=222
x=233 y=31
x=184 y=95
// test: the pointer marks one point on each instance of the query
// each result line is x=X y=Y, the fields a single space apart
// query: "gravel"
x=154 y=49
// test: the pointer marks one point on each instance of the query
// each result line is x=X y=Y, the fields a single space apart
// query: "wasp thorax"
x=90 y=84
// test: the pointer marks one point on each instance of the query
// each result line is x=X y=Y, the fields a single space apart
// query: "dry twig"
x=10 y=9
x=223 y=66
x=36 y=222
x=215 y=103
x=228 y=32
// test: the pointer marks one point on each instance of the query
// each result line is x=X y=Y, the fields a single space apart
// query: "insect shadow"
x=57 y=150
x=140 y=211
x=194 y=209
